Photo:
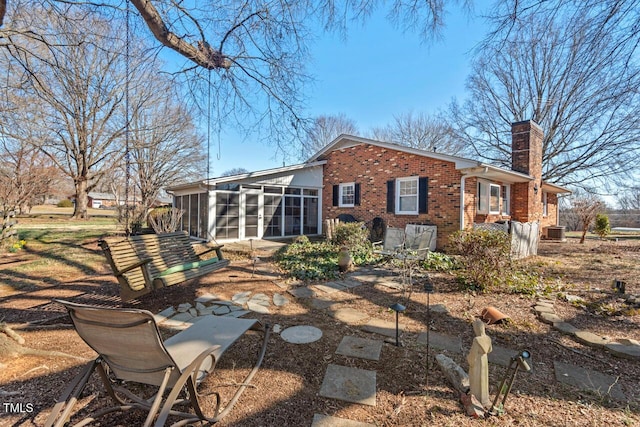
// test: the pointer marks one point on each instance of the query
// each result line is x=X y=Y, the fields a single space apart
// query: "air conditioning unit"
x=555 y=232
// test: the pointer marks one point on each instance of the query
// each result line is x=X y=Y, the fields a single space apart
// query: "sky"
x=375 y=73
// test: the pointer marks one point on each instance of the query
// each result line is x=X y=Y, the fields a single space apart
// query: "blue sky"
x=376 y=73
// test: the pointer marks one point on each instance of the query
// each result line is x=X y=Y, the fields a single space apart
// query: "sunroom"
x=272 y=203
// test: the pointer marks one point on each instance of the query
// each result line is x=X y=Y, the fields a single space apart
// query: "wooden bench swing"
x=151 y=261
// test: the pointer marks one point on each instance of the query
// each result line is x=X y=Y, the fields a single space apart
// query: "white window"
x=545 y=204
x=407 y=196
x=506 y=199
x=483 y=197
x=494 y=199
x=347 y=196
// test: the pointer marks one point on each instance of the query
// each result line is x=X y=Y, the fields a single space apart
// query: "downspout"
x=462 y=181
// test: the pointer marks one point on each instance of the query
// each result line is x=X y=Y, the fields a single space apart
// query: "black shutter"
x=357 y=194
x=423 y=192
x=336 y=194
x=391 y=196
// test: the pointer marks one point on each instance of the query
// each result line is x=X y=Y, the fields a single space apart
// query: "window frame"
x=482 y=195
x=341 y=188
x=506 y=199
x=497 y=210
x=545 y=204
x=399 y=182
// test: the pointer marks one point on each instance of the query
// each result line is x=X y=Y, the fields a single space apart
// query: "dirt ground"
x=411 y=390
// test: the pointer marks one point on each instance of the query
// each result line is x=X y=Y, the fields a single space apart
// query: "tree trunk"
x=584 y=234
x=80 y=210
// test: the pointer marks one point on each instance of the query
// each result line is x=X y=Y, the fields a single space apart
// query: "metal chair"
x=131 y=350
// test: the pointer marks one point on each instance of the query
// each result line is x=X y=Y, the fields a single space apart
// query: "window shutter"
x=391 y=196
x=356 y=194
x=423 y=192
x=336 y=195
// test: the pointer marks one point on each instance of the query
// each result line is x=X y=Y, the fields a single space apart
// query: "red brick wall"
x=526 y=144
x=373 y=166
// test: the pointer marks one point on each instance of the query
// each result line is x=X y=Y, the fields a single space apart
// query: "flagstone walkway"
x=359 y=385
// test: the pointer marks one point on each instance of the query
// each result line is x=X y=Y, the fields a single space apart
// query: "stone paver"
x=329 y=421
x=585 y=379
x=349 y=316
x=329 y=287
x=302 y=292
x=590 y=339
x=625 y=348
x=207 y=298
x=360 y=347
x=349 y=384
x=382 y=327
x=321 y=303
x=502 y=356
x=301 y=334
x=350 y=283
x=566 y=328
x=221 y=309
x=280 y=300
x=549 y=318
x=438 y=308
x=237 y=313
x=449 y=343
x=258 y=308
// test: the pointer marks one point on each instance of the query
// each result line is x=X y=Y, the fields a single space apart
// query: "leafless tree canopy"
x=420 y=131
x=572 y=70
x=323 y=130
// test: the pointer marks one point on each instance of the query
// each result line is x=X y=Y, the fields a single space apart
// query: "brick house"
x=372 y=179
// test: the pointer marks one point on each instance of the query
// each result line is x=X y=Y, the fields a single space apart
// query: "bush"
x=602 y=227
x=439 y=261
x=164 y=219
x=65 y=203
x=309 y=261
x=355 y=236
x=485 y=257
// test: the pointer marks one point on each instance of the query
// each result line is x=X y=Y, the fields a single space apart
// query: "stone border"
x=625 y=348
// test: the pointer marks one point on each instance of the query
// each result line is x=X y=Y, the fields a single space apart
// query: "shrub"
x=485 y=257
x=439 y=261
x=164 y=219
x=355 y=236
x=602 y=227
x=309 y=261
x=65 y=203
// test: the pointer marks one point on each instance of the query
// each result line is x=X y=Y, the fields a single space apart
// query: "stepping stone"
x=550 y=318
x=574 y=299
x=282 y=284
x=350 y=283
x=565 y=328
x=182 y=317
x=544 y=304
x=164 y=314
x=349 y=316
x=543 y=309
x=302 y=334
x=438 y=308
x=330 y=287
x=241 y=298
x=502 y=356
x=207 y=311
x=262 y=302
x=227 y=303
x=382 y=327
x=349 y=384
x=302 y=292
x=585 y=379
x=360 y=347
x=238 y=313
x=449 y=343
x=328 y=421
x=206 y=298
x=258 y=308
x=320 y=304
x=234 y=307
x=220 y=310
x=590 y=339
x=280 y=300
x=625 y=348
x=199 y=306
x=193 y=312
x=183 y=308
x=262 y=297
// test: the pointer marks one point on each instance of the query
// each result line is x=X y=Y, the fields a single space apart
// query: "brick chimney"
x=526 y=158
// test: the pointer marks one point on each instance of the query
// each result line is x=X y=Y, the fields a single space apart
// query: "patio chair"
x=131 y=350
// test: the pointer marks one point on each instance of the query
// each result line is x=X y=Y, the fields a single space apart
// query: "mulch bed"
x=411 y=390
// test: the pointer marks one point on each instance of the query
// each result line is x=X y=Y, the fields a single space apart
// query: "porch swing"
x=143 y=263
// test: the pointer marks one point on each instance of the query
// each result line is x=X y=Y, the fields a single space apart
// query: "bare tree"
x=234 y=171
x=244 y=60
x=586 y=207
x=26 y=176
x=629 y=199
x=323 y=130
x=421 y=131
x=573 y=77
x=165 y=147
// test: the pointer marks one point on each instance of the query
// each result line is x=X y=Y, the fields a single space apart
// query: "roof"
x=101 y=196
x=468 y=167
x=553 y=188
x=249 y=175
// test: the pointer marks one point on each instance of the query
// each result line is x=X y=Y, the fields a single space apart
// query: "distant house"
x=371 y=179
